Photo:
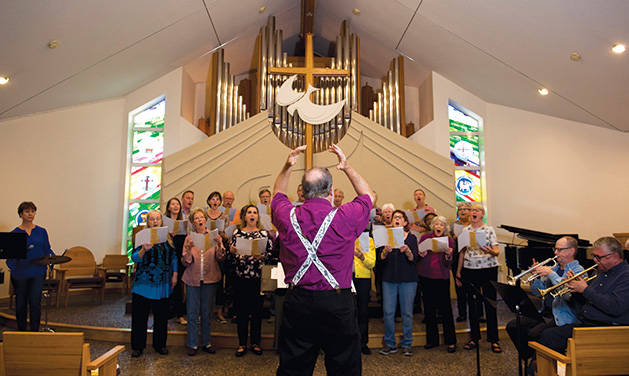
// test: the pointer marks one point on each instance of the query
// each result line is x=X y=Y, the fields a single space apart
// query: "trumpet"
x=531 y=269
x=561 y=287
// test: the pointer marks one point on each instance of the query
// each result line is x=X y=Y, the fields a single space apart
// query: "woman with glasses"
x=479 y=266
x=399 y=281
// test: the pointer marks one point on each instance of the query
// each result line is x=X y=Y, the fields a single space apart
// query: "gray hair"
x=610 y=244
x=316 y=182
x=443 y=220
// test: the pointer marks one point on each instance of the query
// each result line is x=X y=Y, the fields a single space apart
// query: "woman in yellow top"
x=364 y=261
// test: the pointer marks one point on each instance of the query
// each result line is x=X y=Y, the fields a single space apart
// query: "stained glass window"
x=145 y=167
x=466 y=150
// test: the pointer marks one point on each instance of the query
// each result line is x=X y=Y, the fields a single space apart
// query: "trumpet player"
x=606 y=296
x=557 y=311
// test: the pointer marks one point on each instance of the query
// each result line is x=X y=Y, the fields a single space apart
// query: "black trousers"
x=481 y=279
x=28 y=295
x=437 y=299
x=315 y=320
x=530 y=330
x=177 y=298
x=140 y=309
x=248 y=301
x=363 y=286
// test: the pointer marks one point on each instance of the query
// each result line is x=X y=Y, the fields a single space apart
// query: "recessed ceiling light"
x=618 y=48
x=53 y=44
x=262 y=10
x=543 y=91
x=575 y=56
x=4 y=80
x=356 y=11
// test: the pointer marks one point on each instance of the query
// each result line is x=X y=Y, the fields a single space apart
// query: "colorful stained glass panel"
x=146 y=182
x=148 y=147
x=464 y=150
x=467 y=185
x=460 y=122
x=151 y=117
x=137 y=216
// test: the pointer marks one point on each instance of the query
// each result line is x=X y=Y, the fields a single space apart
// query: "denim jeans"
x=199 y=302
x=28 y=291
x=406 y=292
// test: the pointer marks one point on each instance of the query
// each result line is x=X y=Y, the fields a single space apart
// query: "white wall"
x=70 y=163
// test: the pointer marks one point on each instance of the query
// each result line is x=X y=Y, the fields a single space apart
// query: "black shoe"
x=209 y=349
x=429 y=346
x=192 y=351
x=163 y=351
x=136 y=353
x=256 y=350
x=451 y=349
x=242 y=350
x=365 y=350
x=461 y=318
x=482 y=319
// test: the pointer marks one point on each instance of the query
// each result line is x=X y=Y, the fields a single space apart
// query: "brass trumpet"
x=561 y=286
x=533 y=277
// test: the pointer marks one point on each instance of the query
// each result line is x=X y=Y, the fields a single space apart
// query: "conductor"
x=317 y=253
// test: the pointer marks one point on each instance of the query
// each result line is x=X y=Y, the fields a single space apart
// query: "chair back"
x=32 y=353
x=115 y=262
x=597 y=351
x=82 y=263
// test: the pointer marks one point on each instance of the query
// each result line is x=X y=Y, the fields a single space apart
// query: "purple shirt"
x=336 y=250
x=435 y=265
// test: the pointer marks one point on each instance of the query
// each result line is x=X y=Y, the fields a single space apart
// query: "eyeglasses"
x=464 y=209
x=599 y=258
x=561 y=249
x=398 y=217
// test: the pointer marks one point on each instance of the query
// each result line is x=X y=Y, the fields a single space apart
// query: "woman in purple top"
x=28 y=279
x=434 y=275
x=399 y=279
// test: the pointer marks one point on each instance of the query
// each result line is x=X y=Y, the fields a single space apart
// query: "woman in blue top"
x=153 y=281
x=28 y=279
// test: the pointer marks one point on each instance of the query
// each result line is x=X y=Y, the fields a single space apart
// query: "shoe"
x=398 y=319
x=192 y=351
x=451 y=349
x=136 y=353
x=495 y=347
x=386 y=350
x=256 y=350
x=241 y=351
x=365 y=350
x=482 y=319
x=470 y=345
x=429 y=346
x=234 y=320
x=182 y=321
x=163 y=351
x=407 y=351
x=209 y=349
x=461 y=318
x=220 y=318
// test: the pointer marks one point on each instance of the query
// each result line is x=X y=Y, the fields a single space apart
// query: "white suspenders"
x=311 y=248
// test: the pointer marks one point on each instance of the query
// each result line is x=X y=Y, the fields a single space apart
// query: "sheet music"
x=458 y=228
x=472 y=239
x=153 y=235
x=363 y=242
x=215 y=224
x=435 y=244
x=372 y=214
x=278 y=274
x=178 y=227
x=204 y=241
x=251 y=247
x=265 y=221
x=393 y=236
x=264 y=209
x=229 y=231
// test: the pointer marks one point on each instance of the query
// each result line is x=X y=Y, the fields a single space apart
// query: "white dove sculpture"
x=308 y=111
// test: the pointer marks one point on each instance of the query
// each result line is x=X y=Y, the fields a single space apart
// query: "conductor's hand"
x=339 y=153
x=293 y=156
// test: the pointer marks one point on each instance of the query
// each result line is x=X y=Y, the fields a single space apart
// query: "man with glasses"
x=606 y=296
x=558 y=311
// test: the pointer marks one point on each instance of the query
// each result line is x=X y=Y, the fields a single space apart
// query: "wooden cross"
x=310 y=72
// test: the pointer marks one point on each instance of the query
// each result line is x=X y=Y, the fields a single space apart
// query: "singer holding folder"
x=28 y=279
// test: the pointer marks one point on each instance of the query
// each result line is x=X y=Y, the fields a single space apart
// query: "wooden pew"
x=591 y=351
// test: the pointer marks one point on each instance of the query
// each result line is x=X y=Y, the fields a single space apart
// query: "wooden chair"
x=116 y=269
x=81 y=273
x=52 y=354
x=591 y=351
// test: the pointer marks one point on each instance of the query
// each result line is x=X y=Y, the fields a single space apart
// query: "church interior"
x=81 y=74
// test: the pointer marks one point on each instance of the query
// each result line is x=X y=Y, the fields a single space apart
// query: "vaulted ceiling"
x=501 y=51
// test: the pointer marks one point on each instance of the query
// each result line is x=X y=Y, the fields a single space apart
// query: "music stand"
x=519 y=303
x=12 y=246
x=477 y=297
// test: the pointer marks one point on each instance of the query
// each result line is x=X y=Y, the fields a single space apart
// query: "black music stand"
x=12 y=246
x=478 y=298
x=519 y=303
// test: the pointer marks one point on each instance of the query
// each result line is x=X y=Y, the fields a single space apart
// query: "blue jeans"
x=28 y=291
x=199 y=302
x=406 y=292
